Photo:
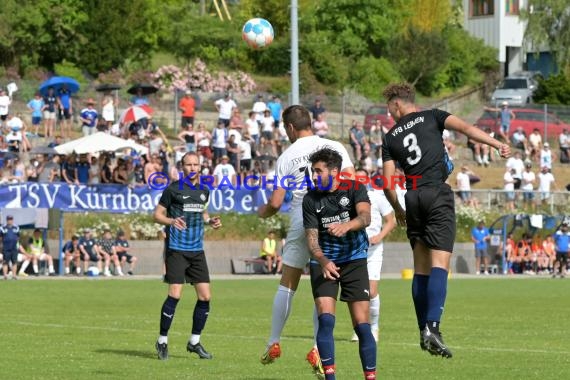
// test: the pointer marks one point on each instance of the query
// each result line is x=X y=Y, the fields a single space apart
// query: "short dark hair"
x=191 y=153
x=74 y=238
x=403 y=91
x=329 y=156
x=298 y=116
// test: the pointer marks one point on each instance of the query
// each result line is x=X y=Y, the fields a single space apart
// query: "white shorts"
x=49 y=115
x=296 y=252
x=109 y=116
x=375 y=257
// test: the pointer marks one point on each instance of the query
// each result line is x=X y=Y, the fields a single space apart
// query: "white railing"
x=558 y=201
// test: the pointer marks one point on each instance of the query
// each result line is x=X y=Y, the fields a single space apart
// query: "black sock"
x=200 y=316
x=433 y=326
x=167 y=314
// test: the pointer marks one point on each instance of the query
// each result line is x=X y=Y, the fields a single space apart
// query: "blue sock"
x=366 y=347
x=325 y=344
x=167 y=314
x=437 y=291
x=420 y=297
x=201 y=311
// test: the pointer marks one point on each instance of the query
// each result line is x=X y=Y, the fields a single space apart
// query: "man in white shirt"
x=5 y=102
x=517 y=164
x=293 y=163
x=546 y=156
x=259 y=107
x=463 y=183
x=545 y=182
x=245 y=156
x=224 y=173
x=535 y=144
x=528 y=180
x=219 y=140
x=509 y=188
x=225 y=108
x=253 y=127
x=564 y=142
x=520 y=141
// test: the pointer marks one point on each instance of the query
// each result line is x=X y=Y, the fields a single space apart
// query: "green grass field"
x=67 y=329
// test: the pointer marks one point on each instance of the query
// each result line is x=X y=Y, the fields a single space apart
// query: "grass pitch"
x=106 y=329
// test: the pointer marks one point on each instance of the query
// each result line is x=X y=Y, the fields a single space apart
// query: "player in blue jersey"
x=183 y=208
x=335 y=217
x=562 y=247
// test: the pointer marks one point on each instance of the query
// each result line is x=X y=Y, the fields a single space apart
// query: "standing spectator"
x=219 y=140
x=506 y=116
x=69 y=170
x=480 y=236
x=10 y=233
x=463 y=182
x=450 y=147
x=320 y=126
x=187 y=106
x=252 y=127
x=267 y=126
x=184 y=253
x=527 y=186
x=509 y=188
x=233 y=152
x=5 y=102
x=562 y=244
x=46 y=167
x=106 y=173
x=71 y=252
x=236 y=118
x=317 y=109
x=338 y=243
x=36 y=105
x=225 y=109
x=276 y=110
x=517 y=164
x=50 y=108
x=549 y=249
x=535 y=144
x=138 y=99
x=204 y=138
x=268 y=253
x=83 y=170
x=156 y=142
x=108 y=110
x=259 y=108
x=235 y=131
x=94 y=171
x=123 y=251
x=245 y=147
x=89 y=118
x=564 y=142
x=545 y=181
x=224 y=172
x=65 y=104
x=547 y=156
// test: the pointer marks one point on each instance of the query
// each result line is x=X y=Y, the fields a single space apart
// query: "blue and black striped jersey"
x=190 y=204
x=321 y=209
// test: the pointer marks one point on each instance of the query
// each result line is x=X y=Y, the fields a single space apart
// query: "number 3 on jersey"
x=411 y=142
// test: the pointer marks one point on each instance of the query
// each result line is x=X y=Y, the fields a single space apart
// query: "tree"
x=429 y=15
x=549 y=25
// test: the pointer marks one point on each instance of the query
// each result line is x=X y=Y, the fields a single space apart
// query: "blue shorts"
x=36 y=120
x=510 y=195
x=10 y=255
x=528 y=195
x=505 y=128
x=92 y=256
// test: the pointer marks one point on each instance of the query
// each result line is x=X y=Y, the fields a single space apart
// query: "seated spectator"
x=123 y=252
x=520 y=141
x=90 y=252
x=106 y=246
x=549 y=250
x=358 y=141
x=269 y=253
x=564 y=143
x=71 y=252
x=535 y=144
x=320 y=126
x=38 y=251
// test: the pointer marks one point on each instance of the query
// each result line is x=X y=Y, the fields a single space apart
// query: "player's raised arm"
x=456 y=124
x=273 y=205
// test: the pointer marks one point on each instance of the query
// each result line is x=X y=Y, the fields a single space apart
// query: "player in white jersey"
x=293 y=164
x=382 y=223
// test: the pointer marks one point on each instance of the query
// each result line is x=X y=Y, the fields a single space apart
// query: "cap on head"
x=188 y=92
x=86 y=231
x=546 y=145
x=505 y=103
x=9 y=217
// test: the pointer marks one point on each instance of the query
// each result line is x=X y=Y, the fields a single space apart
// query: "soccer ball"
x=257 y=33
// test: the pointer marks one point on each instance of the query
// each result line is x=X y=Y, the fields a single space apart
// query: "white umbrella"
x=98 y=142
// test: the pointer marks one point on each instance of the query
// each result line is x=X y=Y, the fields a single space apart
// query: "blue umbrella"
x=57 y=83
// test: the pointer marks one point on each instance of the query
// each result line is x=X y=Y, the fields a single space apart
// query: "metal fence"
x=556 y=202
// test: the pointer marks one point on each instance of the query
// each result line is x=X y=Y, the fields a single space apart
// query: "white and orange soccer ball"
x=257 y=33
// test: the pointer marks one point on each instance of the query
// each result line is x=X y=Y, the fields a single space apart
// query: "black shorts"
x=187 y=120
x=562 y=256
x=129 y=258
x=353 y=282
x=186 y=267
x=64 y=114
x=430 y=216
x=3 y=117
x=92 y=256
x=10 y=255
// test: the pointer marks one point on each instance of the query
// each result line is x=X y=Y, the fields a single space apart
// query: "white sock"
x=51 y=270
x=67 y=270
x=194 y=339
x=162 y=339
x=374 y=312
x=24 y=266
x=280 y=313
x=36 y=269
x=315 y=325
x=77 y=270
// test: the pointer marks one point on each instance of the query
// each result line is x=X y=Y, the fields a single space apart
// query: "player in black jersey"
x=415 y=144
x=183 y=207
x=335 y=216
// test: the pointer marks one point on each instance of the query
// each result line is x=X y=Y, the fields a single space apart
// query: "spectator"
x=50 y=108
x=56 y=141
x=463 y=182
x=269 y=253
x=36 y=105
x=520 y=141
x=259 y=108
x=106 y=246
x=71 y=252
x=65 y=105
x=224 y=173
x=83 y=170
x=69 y=170
x=245 y=147
x=122 y=248
x=154 y=165
x=510 y=253
x=204 y=138
x=545 y=181
x=156 y=141
x=517 y=164
x=236 y=118
x=219 y=140
x=90 y=252
x=225 y=109
x=562 y=247
x=5 y=102
x=267 y=126
x=187 y=105
x=139 y=99
x=276 y=110
x=506 y=116
x=509 y=188
x=480 y=236
x=234 y=131
x=564 y=142
x=376 y=136
x=523 y=254
x=106 y=174
x=10 y=234
x=547 y=156
x=528 y=181
x=320 y=126
x=233 y=152
x=358 y=141
x=549 y=249
x=252 y=127
x=317 y=109
x=94 y=171
x=121 y=174
x=47 y=168
x=108 y=110
x=38 y=251
x=535 y=144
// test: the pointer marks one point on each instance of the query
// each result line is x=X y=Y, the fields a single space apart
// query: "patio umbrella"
x=43 y=150
x=134 y=113
x=107 y=87
x=58 y=83
x=98 y=142
x=145 y=87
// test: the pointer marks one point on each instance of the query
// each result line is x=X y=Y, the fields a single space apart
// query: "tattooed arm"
x=330 y=270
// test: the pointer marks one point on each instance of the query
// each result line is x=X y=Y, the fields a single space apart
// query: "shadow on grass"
x=145 y=354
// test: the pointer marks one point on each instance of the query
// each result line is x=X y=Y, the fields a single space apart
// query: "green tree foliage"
x=549 y=25
x=370 y=75
x=554 y=90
